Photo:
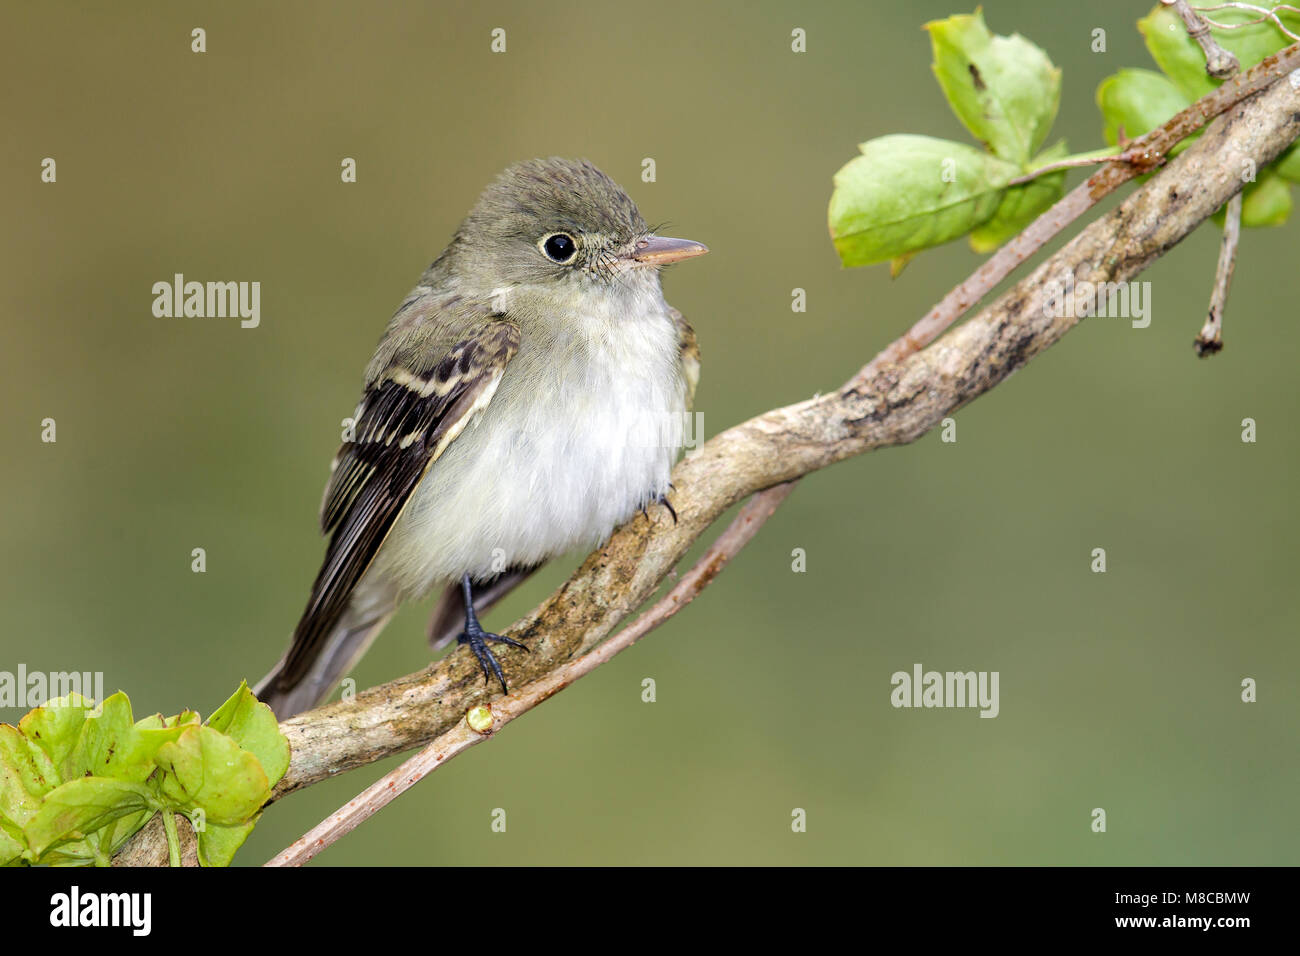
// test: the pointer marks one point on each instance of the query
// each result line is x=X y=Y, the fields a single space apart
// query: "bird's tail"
x=355 y=631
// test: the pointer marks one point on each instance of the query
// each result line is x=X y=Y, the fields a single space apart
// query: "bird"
x=527 y=397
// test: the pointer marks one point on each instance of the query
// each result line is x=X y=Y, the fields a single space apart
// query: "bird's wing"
x=690 y=355
x=408 y=416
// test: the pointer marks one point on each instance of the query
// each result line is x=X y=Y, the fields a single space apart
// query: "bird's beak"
x=660 y=250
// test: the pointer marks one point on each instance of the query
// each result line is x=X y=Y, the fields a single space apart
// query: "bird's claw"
x=477 y=639
x=663 y=500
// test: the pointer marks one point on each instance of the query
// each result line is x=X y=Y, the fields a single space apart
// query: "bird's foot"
x=477 y=639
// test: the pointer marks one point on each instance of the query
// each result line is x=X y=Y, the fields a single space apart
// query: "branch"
x=1140 y=156
x=888 y=403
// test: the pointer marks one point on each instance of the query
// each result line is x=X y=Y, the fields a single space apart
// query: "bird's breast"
x=583 y=430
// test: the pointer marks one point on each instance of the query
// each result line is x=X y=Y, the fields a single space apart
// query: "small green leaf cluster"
x=78 y=780
x=1137 y=101
x=907 y=193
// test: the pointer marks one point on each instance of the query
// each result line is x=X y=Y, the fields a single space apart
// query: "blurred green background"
x=1118 y=690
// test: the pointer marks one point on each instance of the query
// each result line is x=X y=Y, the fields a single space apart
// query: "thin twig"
x=1143 y=154
x=1073 y=163
x=384 y=791
x=1265 y=13
x=1219 y=63
x=1211 y=338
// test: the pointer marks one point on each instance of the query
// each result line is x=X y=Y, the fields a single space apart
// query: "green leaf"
x=217 y=844
x=56 y=725
x=72 y=853
x=26 y=776
x=906 y=193
x=1182 y=59
x=1266 y=202
x=98 y=739
x=1022 y=204
x=899 y=263
x=77 y=781
x=1139 y=101
x=110 y=838
x=1003 y=89
x=1288 y=164
x=112 y=745
x=11 y=848
x=253 y=726
x=80 y=806
x=152 y=722
x=204 y=768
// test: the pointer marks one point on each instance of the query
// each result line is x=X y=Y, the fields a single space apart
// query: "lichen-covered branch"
x=889 y=403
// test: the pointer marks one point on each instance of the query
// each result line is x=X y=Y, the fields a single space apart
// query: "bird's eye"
x=559 y=247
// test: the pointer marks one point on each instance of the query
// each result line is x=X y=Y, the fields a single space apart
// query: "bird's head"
x=564 y=225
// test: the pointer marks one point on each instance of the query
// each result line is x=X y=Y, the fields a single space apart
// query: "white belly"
x=543 y=471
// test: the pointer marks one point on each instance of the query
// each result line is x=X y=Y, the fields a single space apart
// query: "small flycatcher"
x=527 y=398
